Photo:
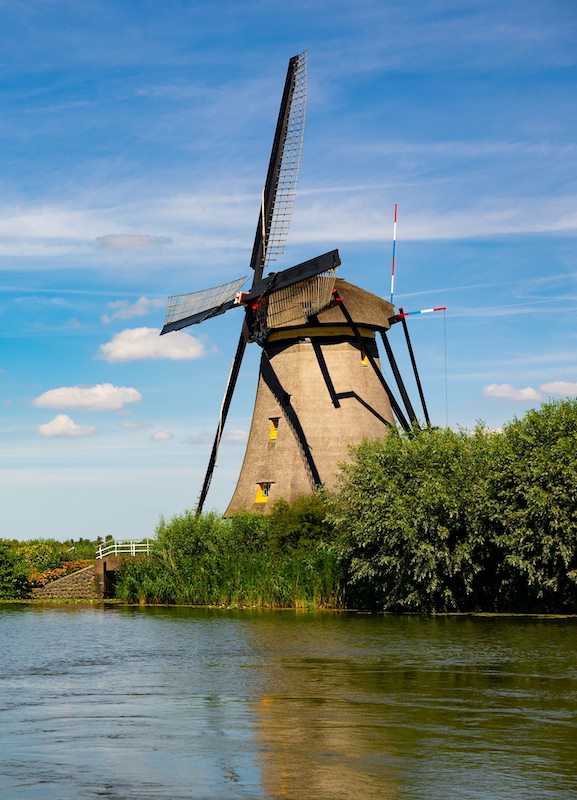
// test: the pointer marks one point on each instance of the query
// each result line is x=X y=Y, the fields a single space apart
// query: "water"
x=134 y=704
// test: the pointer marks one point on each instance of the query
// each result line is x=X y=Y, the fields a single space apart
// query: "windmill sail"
x=296 y=304
x=283 y=170
x=189 y=309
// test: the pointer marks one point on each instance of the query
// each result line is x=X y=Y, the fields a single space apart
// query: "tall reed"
x=281 y=560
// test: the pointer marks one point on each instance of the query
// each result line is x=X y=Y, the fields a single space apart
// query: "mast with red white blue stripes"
x=394 y=261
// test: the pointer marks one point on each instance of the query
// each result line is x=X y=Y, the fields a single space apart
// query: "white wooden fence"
x=129 y=547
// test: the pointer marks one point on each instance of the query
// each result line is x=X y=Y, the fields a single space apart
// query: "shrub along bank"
x=453 y=521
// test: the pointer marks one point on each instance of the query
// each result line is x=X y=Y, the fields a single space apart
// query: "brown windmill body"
x=317 y=395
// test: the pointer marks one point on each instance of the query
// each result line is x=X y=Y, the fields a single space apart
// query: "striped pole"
x=422 y=311
x=394 y=263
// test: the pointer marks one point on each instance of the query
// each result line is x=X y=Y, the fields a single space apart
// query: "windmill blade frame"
x=190 y=309
x=282 y=175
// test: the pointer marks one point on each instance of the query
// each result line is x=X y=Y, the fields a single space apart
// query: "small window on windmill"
x=364 y=359
x=273 y=430
x=262 y=492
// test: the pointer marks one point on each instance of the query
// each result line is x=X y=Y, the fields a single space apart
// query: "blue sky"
x=135 y=138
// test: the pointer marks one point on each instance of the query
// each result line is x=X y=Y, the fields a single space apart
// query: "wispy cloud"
x=124 y=309
x=204 y=437
x=130 y=241
x=134 y=426
x=102 y=397
x=235 y=437
x=161 y=436
x=140 y=344
x=359 y=219
x=63 y=425
x=219 y=226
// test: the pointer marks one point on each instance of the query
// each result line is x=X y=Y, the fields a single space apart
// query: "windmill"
x=320 y=387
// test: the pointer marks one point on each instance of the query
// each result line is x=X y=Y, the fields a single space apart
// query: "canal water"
x=141 y=703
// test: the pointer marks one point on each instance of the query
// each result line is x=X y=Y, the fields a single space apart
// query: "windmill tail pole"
x=403 y=316
x=226 y=400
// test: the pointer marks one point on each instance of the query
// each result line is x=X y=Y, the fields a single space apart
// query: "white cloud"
x=214 y=225
x=102 y=397
x=509 y=392
x=161 y=436
x=559 y=387
x=232 y=437
x=235 y=436
x=124 y=309
x=357 y=218
x=62 y=425
x=204 y=437
x=138 y=344
x=129 y=241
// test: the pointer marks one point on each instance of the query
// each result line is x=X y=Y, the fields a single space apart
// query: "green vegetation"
x=449 y=520
x=28 y=564
x=281 y=560
x=13 y=572
x=440 y=521
x=41 y=555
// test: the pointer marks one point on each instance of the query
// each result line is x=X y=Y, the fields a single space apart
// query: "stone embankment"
x=79 y=585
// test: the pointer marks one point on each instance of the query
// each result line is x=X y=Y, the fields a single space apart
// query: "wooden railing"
x=129 y=547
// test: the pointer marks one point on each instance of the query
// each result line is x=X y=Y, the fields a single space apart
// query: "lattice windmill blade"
x=297 y=303
x=292 y=295
x=315 y=279
x=282 y=176
x=190 y=309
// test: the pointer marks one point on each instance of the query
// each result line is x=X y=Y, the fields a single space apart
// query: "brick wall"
x=77 y=586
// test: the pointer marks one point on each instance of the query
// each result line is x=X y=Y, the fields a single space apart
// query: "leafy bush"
x=410 y=513
x=449 y=520
x=533 y=498
x=13 y=573
x=301 y=524
x=48 y=554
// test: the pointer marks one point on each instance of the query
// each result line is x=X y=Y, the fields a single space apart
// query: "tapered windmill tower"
x=320 y=387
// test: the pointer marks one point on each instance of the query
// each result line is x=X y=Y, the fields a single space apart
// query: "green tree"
x=43 y=554
x=410 y=510
x=533 y=499
x=13 y=572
